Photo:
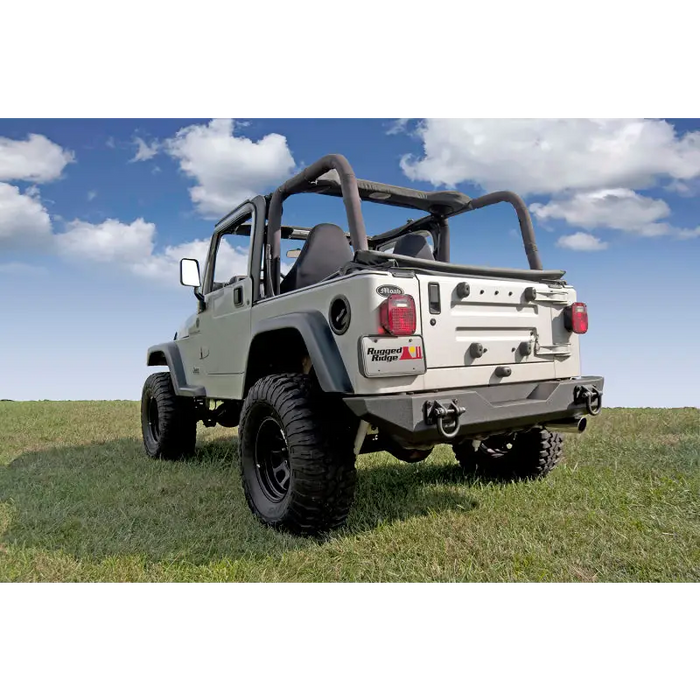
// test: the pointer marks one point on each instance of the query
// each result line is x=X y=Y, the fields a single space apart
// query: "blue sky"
x=95 y=214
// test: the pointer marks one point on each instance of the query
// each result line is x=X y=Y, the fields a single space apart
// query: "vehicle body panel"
x=216 y=348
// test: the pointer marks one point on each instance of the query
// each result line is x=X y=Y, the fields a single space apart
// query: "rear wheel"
x=529 y=454
x=168 y=421
x=296 y=454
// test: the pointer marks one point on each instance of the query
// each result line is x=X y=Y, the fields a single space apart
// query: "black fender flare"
x=169 y=354
x=324 y=354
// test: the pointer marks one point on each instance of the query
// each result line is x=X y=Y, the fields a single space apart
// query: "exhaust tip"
x=572 y=426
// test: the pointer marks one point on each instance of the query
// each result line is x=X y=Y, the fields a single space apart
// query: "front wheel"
x=296 y=454
x=168 y=421
x=529 y=454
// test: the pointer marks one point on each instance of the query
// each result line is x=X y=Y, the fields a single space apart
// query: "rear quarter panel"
x=360 y=291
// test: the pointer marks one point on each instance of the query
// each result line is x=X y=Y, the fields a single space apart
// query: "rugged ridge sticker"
x=391 y=356
x=406 y=352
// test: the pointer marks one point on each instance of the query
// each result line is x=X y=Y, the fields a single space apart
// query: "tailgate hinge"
x=554 y=296
x=562 y=350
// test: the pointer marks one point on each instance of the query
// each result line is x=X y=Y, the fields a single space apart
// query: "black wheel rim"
x=272 y=460
x=153 y=418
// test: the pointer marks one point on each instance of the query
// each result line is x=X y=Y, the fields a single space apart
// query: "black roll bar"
x=440 y=218
x=305 y=181
x=528 y=233
x=300 y=183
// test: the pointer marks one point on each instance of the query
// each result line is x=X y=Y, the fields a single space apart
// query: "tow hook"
x=439 y=414
x=592 y=398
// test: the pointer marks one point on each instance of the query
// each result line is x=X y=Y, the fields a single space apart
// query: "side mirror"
x=294 y=253
x=189 y=273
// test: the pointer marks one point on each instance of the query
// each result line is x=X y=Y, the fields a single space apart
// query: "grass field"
x=79 y=501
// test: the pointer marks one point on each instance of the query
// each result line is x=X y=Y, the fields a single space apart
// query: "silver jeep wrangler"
x=367 y=344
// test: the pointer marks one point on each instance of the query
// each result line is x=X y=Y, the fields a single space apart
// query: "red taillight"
x=576 y=317
x=397 y=314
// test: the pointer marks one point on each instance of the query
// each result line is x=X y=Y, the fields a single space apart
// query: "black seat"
x=415 y=246
x=325 y=251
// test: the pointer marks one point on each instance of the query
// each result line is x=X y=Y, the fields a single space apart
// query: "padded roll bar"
x=300 y=183
x=528 y=233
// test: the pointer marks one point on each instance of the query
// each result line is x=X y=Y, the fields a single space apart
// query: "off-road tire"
x=316 y=438
x=168 y=421
x=534 y=453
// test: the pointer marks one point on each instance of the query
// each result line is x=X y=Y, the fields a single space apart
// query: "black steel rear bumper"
x=482 y=410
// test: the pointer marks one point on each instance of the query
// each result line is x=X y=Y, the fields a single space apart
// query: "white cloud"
x=228 y=168
x=145 y=152
x=620 y=209
x=547 y=156
x=91 y=195
x=36 y=159
x=689 y=188
x=110 y=241
x=679 y=187
x=398 y=126
x=131 y=246
x=164 y=267
x=687 y=233
x=582 y=242
x=24 y=222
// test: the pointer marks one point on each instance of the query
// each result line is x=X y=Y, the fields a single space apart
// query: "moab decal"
x=386 y=290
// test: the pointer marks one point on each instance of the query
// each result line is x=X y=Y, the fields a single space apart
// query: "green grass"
x=79 y=501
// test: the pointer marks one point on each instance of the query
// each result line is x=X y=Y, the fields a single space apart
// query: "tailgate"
x=477 y=322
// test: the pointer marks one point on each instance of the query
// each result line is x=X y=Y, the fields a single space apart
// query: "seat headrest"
x=325 y=251
x=414 y=245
